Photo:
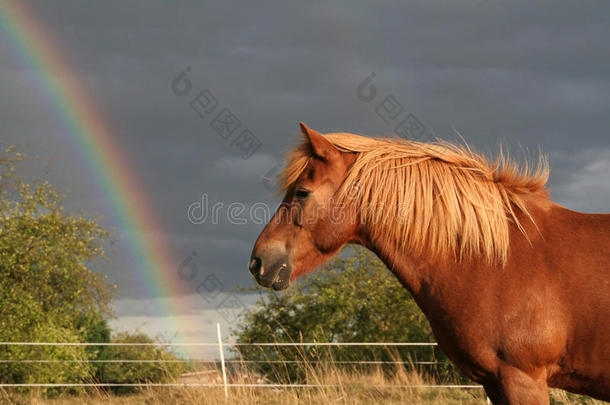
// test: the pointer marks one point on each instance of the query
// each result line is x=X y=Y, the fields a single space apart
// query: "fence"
x=223 y=362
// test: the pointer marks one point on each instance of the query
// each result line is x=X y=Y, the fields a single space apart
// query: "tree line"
x=48 y=292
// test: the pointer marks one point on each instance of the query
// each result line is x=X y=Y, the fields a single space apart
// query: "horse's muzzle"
x=271 y=270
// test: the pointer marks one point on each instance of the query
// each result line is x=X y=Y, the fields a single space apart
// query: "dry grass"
x=345 y=387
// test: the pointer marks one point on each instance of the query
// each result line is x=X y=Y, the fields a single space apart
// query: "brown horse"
x=516 y=287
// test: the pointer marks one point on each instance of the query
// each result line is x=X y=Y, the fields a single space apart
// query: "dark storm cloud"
x=517 y=73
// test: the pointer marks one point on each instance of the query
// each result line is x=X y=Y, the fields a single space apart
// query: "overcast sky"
x=522 y=74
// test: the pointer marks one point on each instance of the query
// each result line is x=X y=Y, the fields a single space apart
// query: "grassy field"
x=348 y=388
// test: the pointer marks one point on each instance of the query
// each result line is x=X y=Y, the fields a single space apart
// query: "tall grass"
x=336 y=384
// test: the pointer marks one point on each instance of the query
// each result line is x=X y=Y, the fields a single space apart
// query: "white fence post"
x=222 y=362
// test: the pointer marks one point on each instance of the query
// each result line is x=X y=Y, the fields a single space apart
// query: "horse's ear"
x=321 y=146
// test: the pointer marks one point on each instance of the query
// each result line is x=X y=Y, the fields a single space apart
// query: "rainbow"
x=91 y=134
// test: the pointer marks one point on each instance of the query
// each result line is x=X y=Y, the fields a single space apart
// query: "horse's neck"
x=433 y=282
x=411 y=273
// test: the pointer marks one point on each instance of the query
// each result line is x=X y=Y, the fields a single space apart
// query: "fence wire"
x=221 y=346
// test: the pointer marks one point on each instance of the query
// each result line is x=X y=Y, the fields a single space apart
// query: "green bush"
x=166 y=370
x=48 y=293
x=22 y=320
x=46 y=284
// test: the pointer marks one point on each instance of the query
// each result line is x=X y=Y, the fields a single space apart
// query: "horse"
x=515 y=286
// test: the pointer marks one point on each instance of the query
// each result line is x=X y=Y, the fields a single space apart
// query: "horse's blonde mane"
x=434 y=199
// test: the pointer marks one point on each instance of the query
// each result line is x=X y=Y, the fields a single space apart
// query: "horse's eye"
x=301 y=193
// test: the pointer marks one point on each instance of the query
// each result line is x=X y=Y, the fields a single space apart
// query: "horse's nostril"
x=255 y=265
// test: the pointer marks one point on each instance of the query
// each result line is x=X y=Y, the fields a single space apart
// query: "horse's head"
x=310 y=226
